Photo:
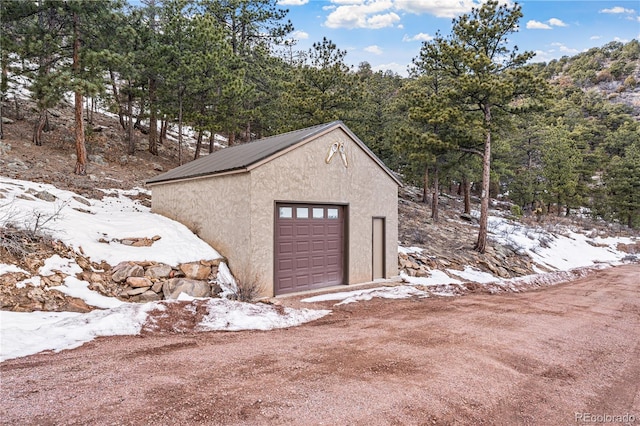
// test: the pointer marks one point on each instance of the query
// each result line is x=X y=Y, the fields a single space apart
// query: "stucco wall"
x=235 y=213
x=215 y=208
x=303 y=175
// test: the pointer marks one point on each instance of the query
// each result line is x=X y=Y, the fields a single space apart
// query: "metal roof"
x=241 y=157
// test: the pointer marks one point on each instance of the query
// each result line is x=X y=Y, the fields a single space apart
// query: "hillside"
x=436 y=251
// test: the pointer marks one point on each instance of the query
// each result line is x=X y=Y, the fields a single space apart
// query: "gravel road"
x=562 y=355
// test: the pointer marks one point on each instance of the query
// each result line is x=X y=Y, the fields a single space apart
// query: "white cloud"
x=438 y=8
x=292 y=2
x=417 y=37
x=373 y=49
x=596 y=37
x=564 y=49
x=537 y=25
x=555 y=22
x=393 y=66
x=373 y=14
x=300 y=35
x=382 y=21
x=618 y=10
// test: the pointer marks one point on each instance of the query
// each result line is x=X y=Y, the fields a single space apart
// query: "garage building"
x=304 y=210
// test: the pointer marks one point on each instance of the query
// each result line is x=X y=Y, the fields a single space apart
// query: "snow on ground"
x=570 y=254
x=94 y=227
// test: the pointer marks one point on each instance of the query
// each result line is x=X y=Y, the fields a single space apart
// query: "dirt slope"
x=534 y=358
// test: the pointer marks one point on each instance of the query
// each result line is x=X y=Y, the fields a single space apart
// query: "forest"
x=474 y=115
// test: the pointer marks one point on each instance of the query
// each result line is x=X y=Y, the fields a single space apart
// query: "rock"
x=157 y=167
x=143 y=242
x=468 y=218
x=6 y=120
x=157 y=287
x=422 y=273
x=98 y=159
x=124 y=270
x=81 y=200
x=194 y=288
x=149 y=296
x=45 y=196
x=83 y=263
x=134 y=291
x=139 y=282
x=77 y=305
x=161 y=270
x=4 y=148
x=195 y=270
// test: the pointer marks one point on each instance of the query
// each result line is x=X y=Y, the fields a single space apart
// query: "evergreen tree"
x=622 y=187
x=323 y=87
x=487 y=76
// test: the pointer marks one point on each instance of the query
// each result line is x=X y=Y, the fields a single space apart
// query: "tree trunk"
x=39 y=127
x=232 y=139
x=153 y=118
x=481 y=244
x=131 y=145
x=436 y=196
x=198 y=145
x=17 y=105
x=559 y=207
x=163 y=130
x=116 y=96
x=81 y=149
x=180 y=129
x=466 y=191
x=425 y=185
x=212 y=141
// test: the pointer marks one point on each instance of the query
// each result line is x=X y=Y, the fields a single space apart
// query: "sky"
x=95 y=226
x=388 y=34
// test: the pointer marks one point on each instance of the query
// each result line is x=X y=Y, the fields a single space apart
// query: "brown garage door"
x=309 y=243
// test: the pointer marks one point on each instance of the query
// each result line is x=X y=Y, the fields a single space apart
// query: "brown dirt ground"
x=533 y=358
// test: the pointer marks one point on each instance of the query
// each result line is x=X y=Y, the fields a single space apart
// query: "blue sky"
x=389 y=33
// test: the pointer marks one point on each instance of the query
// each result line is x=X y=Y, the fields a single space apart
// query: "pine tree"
x=322 y=89
x=488 y=77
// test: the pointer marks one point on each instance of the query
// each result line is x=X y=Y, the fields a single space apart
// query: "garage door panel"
x=285 y=230
x=302 y=263
x=309 y=247
x=319 y=230
x=285 y=264
x=318 y=261
x=286 y=284
x=302 y=230
x=302 y=247
x=285 y=247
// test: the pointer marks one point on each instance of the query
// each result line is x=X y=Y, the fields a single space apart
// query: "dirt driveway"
x=563 y=355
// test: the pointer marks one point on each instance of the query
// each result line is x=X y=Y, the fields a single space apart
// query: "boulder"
x=149 y=296
x=124 y=270
x=135 y=291
x=161 y=270
x=139 y=282
x=195 y=270
x=194 y=288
